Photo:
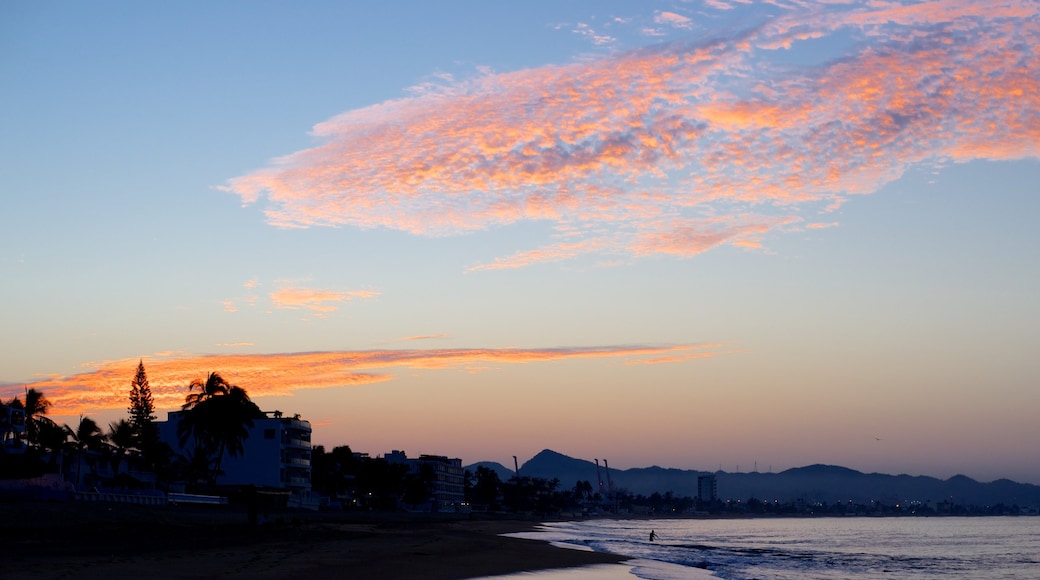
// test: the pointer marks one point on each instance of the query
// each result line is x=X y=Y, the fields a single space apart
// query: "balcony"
x=298 y=443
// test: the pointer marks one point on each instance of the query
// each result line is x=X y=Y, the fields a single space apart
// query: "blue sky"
x=675 y=233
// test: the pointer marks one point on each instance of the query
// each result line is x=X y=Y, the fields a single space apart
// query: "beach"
x=62 y=540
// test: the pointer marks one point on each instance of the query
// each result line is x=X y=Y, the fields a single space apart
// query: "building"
x=448 y=485
x=707 y=488
x=12 y=426
x=276 y=454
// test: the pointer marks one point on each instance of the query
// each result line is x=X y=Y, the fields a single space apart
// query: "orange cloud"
x=320 y=302
x=107 y=385
x=679 y=147
x=670 y=359
x=821 y=226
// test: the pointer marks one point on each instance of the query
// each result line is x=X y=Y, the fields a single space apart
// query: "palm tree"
x=35 y=407
x=55 y=439
x=217 y=418
x=194 y=465
x=122 y=436
x=87 y=437
x=214 y=386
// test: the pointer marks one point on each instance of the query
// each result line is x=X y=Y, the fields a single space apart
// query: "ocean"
x=854 y=548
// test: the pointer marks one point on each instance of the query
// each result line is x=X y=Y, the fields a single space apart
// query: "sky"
x=715 y=234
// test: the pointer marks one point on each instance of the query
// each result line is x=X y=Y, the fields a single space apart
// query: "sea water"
x=855 y=548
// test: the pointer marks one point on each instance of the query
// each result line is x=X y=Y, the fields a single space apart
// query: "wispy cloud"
x=425 y=337
x=596 y=38
x=106 y=386
x=553 y=253
x=320 y=302
x=673 y=19
x=719 y=4
x=821 y=225
x=681 y=147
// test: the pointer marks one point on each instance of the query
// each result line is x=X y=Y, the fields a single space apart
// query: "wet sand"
x=69 y=540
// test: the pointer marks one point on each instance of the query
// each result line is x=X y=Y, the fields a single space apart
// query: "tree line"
x=215 y=423
x=357 y=482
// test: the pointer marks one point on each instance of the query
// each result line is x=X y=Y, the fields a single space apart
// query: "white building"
x=276 y=454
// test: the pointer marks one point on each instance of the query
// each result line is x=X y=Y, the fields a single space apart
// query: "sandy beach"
x=66 y=540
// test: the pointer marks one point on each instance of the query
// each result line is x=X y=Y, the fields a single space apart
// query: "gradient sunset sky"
x=696 y=234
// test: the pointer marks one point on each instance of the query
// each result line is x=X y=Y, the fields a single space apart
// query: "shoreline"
x=56 y=540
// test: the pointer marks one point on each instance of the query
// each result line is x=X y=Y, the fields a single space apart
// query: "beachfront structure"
x=447 y=488
x=707 y=488
x=276 y=454
x=12 y=426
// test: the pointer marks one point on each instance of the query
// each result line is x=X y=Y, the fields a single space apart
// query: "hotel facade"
x=276 y=454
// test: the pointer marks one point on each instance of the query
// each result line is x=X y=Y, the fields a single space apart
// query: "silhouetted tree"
x=381 y=483
x=54 y=439
x=486 y=488
x=194 y=466
x=583 y=490
x=142 y=408
x=214 y=386
x=418 y=485
x=35 y=406
x=122 y=437
x=532 y=494
x=87 y=437
x=333 y=472
x=217 y=418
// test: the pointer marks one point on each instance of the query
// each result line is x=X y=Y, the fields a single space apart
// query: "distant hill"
x=503 y=472
x=824 y=483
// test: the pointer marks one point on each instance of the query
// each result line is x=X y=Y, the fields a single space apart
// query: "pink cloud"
x=673 y=19
x=718 y=4
x=552 y=253
x=676 y=148
x=691 y=237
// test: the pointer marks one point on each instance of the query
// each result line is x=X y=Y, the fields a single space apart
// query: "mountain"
x=822 y=483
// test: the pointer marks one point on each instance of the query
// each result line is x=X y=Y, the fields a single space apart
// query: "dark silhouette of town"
x=221 y=448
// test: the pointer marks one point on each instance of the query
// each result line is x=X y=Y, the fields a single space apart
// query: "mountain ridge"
x=814 y=483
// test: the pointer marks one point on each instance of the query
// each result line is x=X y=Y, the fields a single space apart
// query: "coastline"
x=122 y=541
